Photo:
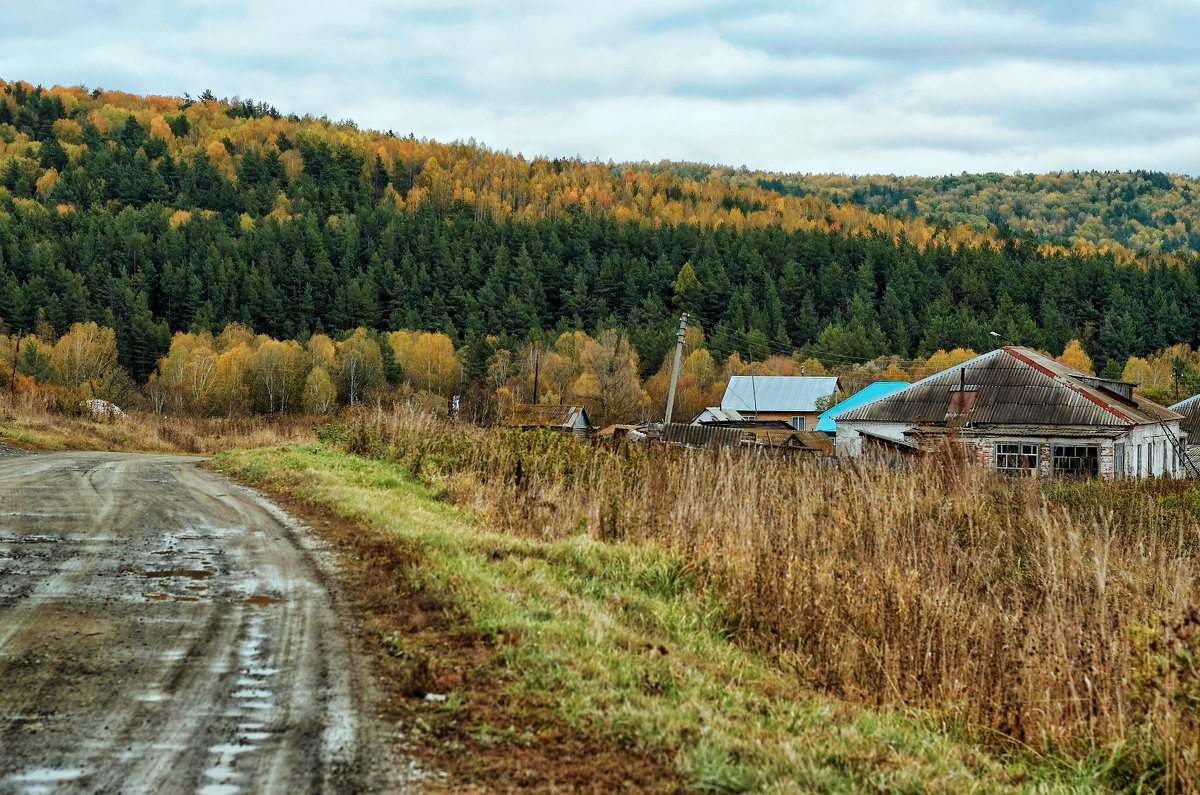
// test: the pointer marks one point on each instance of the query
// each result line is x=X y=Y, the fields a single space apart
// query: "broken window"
x=1075 y=460
x=1016 y=456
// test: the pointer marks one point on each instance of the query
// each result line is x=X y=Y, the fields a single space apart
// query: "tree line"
x=237 y=372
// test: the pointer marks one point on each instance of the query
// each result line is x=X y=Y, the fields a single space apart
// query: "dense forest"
x=1125 y=213
x=152 y=215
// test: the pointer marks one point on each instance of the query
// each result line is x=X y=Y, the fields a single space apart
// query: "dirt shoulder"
x=425 y=655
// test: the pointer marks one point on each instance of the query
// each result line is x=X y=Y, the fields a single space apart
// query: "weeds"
x=1003 y=605
x=35 y=420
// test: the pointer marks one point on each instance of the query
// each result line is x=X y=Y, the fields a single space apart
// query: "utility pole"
x=16 y=351
x=537 y=370
x=675 y=367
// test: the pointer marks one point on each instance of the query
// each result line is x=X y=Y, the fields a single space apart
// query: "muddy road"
x=164 y=630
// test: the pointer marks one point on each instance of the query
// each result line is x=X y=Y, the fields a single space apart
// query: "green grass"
x=627 y=641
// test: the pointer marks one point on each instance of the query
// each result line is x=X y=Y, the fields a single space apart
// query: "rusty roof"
x=701 y=435
x=1013 y=385
x=529 y=415
x=811 y=441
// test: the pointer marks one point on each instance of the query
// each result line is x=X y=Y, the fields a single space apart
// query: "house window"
x=798 y=423
x=1075 y=460
x=749 y=417
x=1016 y=456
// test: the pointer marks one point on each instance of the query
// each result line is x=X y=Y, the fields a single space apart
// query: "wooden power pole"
x=675 y=368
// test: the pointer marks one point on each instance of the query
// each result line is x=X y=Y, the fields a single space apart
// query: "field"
x=1046 y=632
x=602 y=616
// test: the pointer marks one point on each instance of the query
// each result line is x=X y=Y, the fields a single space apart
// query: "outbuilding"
x=561 y=418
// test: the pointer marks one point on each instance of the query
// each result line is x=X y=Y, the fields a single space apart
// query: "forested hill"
x=156 y=214
x=1126 y=213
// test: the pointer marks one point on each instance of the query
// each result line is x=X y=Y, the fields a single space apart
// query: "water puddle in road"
x=45 y=779
x=222 y=773
x=261 y=601
x=191 y=574
x=157 y=597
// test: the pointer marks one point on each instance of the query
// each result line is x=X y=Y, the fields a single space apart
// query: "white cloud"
x=859 y=86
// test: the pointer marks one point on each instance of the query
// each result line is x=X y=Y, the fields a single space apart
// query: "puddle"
x=197 y=587
x=46 y=775
x=261 y=601
x=157 y=597
x=191 y=574
x=248 y=693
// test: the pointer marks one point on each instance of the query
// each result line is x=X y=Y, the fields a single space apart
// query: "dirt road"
x=163 y=630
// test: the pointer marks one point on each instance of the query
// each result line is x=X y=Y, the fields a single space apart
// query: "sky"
x=846 y=86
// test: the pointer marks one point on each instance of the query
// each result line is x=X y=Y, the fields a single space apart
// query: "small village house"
x=1019 y=411
x=561 y=418
x=795 y=399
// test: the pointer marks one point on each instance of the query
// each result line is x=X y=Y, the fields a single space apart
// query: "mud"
x=163 y=630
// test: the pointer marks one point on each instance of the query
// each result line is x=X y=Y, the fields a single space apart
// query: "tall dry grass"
x=1057 y=615
x=39 y=418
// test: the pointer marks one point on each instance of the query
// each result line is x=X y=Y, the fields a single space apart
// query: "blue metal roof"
x=750 y=394
x=826 y=422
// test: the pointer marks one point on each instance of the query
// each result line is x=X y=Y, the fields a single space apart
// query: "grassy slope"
x=610 y=651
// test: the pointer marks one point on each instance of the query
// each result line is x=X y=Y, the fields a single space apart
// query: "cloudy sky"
x=848 y=86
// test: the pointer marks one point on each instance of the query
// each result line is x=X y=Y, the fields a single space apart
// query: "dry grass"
x=29 y=420
x=1060 y=617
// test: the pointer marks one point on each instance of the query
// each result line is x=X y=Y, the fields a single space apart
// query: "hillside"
x=1125 y=213
x=152 y=215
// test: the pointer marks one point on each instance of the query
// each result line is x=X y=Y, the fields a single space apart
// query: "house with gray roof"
x=1016 y=410
x=795 y=399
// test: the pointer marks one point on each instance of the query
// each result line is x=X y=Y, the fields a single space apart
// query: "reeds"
x=1050 y=614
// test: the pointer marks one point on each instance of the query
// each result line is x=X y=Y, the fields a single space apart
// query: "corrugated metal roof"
x=753 y=393
x=716 y=414
x=701 y=435
x=1190 y=409
x=1012 y=386
x=827 y=423
x=529 y=415
x=805 y=441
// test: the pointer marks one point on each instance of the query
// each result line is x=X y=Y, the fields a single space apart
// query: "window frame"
x=1022 y=457
x=1086 y=456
